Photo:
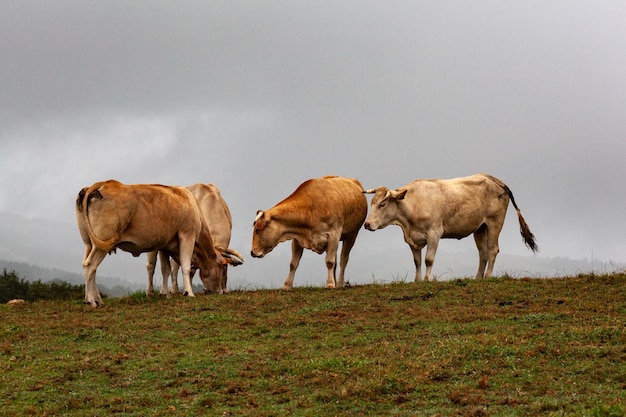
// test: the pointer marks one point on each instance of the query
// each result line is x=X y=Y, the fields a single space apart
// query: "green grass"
x=497 y=347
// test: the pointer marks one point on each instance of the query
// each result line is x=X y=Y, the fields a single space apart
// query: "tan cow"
x=320 y=213
x=143 y=218
x=217 y=215
x=429 y=210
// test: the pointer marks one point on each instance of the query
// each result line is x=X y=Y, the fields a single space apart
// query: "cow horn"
x=370 y=191
x=234 y=257
x=231 y=256
x=259 y=214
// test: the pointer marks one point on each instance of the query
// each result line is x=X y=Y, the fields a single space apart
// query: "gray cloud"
x=258 y=97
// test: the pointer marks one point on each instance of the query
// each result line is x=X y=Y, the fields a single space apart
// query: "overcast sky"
x=258 y=96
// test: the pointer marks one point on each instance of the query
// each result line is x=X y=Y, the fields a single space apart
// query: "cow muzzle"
x=368 y=226
x=256 y=254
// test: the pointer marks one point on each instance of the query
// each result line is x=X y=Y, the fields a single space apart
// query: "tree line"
x=12 y=287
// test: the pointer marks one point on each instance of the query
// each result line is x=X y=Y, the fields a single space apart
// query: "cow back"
x=327 y=200
x=215 y=212
x=143 y=216
x=458 y=205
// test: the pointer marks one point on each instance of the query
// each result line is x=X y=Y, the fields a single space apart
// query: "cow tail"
x=79 y=200
x=529 y=238
x=87 y=197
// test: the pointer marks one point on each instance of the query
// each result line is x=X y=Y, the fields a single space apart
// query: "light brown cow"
x=143 y=218
x=320 y=213
x=428 y=210
x=217 y=215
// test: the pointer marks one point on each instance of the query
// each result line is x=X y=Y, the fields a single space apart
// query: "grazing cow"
x=216 y=213
x=320 y=213
x=143 y=218
x=428 y=210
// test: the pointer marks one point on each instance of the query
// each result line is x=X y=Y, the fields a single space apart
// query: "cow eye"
x=382 y=204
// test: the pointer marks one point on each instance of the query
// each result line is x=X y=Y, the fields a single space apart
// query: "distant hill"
x=57 y=249
x=115 y=287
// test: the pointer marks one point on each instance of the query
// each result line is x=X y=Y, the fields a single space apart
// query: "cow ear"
x=260 y=221
x=399 y=194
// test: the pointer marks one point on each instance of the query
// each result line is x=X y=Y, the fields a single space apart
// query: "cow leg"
x=417 y=260
x=429 y=261
x=174 y=267
x=224 y=279
x=331 y=261
x=87 y=251
x=165 y=271
x=346 y=247
x=187 y=288
x=296 y=255
x=482 y=243
x=493 y=248
x=151 y=258
x=90 y=265
x=186 y=245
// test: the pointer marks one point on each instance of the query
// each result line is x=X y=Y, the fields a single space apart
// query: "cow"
x=217 y=215
x=429 y=210
x=316 y=216
x=143 y=218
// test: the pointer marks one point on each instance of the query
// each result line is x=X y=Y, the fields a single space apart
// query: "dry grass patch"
x=471 y=348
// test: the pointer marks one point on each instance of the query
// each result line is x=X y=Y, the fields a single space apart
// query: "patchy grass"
x=518 y=347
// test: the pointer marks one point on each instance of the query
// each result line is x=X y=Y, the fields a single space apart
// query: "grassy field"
x=497 y=347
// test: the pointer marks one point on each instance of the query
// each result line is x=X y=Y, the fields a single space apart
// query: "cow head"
x=212 y=266
x=211 y=275
x=384 y=208
x=266 y=234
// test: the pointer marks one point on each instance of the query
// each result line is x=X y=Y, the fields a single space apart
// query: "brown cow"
x=143 y=218
x=217 y=215
x=320 y=213
x=428 y=210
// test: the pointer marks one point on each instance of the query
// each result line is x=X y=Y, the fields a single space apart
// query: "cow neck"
x=295 y=224
x=204 y=247
x=403 y=215
x=294 y=217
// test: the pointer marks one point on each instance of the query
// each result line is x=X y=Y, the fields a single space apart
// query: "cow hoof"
x=95 y=303
x=188 y=294
x=285 y=288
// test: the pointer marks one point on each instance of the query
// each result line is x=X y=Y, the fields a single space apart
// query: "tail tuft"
x=529 y=238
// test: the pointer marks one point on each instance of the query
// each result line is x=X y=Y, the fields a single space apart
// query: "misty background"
x=257 y=97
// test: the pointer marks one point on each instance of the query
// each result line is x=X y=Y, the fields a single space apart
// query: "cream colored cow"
x=429 y=210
